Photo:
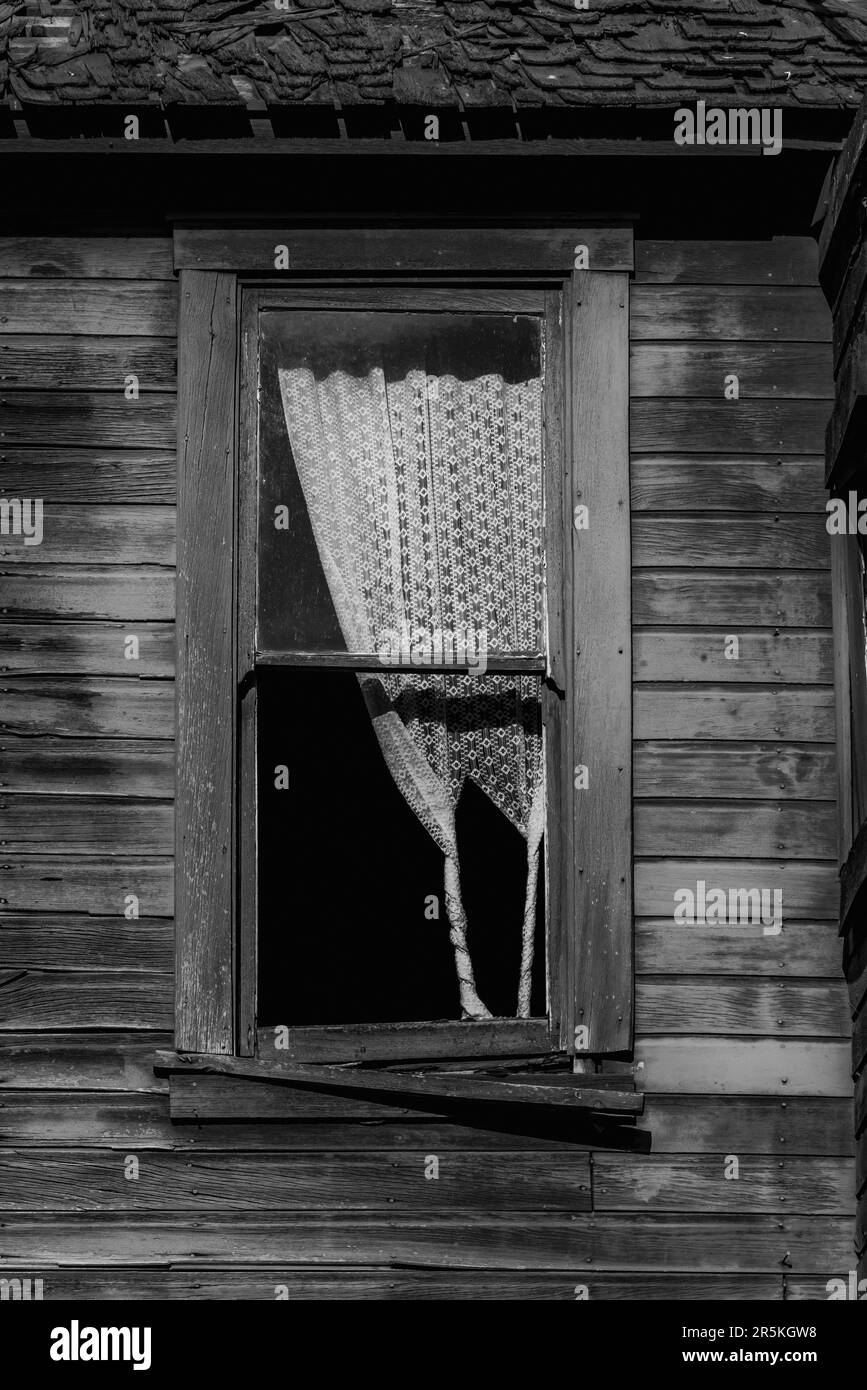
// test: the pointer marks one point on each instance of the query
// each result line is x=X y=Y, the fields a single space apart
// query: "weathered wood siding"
x=87 y=748
x=743 y=1044
x=743 y=1037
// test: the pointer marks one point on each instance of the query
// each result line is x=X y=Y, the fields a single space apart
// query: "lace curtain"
x=424 y=496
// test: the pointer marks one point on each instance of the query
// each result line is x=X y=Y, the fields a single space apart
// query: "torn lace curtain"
x=424 y=496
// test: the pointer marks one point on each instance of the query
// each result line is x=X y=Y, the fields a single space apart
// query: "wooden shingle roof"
x=433 y=53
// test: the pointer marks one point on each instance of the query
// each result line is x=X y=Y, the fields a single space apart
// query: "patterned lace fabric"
x=425 y=499
x=487 y=728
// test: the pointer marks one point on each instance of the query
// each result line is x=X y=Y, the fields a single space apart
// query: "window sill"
x=407 y=1042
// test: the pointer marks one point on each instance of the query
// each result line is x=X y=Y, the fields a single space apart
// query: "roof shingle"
x=433 y=52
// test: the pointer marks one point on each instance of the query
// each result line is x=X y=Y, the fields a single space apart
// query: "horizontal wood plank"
x=773 y=1008
x=780 y=261
x=784 y=371
x=86 y=999
x=733 y=771
x=80 y=705
x=809 y=890
x=730 y=712
x=811 y=1186
x=801 y=949
x=132 y=593
x=55 y=362
x=237 y=1284
x=788 y=830
x=739 y=427
x=802 y=658
x=814 y=1288
x=89 y=649
x=101 y=308
x=85 y=825
x=394 y=249
x=33 y=941
x=732 y=1066
x=774 y=542
x=90 y=476
x=387 y=1180
x=47 y=1119
x=83 y=767
x=724 y=597
x=720 y=482
x=82 y=1062
x=767 y=314
x=207 y=1098
x=93 y=535
x=470 y=1241
x=88 y=418
x=781 y=1122
x=86 y=258
x=121 y=1120
x=100 y=887
x=685 y=1124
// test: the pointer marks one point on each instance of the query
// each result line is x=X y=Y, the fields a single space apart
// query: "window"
x=404 y=704
x=400 y=519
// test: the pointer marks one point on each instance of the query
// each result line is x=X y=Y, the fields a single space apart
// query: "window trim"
x=214 y=529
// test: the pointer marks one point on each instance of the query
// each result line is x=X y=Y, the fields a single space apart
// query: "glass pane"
x=354 y=923
x=400 y=503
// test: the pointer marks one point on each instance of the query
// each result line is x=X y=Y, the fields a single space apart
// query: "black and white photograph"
x=433 y=667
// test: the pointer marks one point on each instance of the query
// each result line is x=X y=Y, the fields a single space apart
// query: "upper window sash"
x=453 y=302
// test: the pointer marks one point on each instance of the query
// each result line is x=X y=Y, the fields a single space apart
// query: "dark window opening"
x=347 y=874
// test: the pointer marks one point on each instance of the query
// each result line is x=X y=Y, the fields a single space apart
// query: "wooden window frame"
x=589 y=639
